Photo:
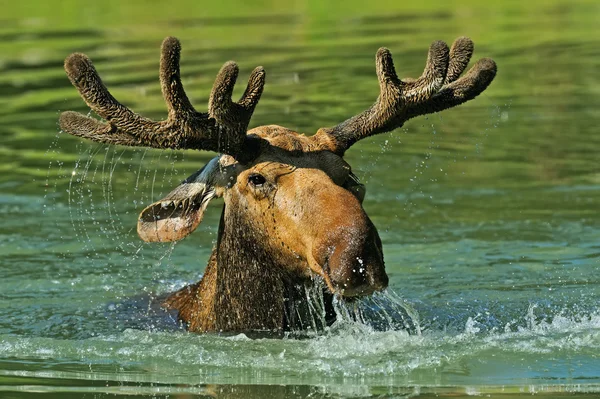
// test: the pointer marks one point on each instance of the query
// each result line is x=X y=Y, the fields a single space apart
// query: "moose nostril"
x=379 y=282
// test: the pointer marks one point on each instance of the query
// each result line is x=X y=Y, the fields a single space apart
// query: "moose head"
x=293 y=208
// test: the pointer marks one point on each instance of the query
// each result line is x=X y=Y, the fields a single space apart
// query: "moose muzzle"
x=349 y=251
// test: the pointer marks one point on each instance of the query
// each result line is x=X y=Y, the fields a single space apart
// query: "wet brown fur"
x=256 y=269
x=306 y=221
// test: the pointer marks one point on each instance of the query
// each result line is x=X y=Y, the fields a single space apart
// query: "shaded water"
x=488 y=213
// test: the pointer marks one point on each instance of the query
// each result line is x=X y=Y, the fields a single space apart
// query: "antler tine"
x=223 y=129
x=89 y=128
x=220 y=105
x=473 y=83
x=433 y=75
x=460 y=55
x=254 y=89
x=438 y=88
x=83 y=76
x=178 y=104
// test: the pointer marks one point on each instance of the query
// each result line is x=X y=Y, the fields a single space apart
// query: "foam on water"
x=348 y=349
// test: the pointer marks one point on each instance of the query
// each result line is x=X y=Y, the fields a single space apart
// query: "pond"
x=488 y=213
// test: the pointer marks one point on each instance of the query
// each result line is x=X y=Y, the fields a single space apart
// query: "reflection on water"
x=488 y=213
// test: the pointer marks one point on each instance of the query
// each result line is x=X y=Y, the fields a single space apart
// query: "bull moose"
x=292 y=212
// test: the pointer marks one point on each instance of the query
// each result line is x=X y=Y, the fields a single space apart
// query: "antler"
x=222 y=129
x=438 y=88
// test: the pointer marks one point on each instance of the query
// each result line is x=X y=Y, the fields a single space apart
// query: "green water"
x=488 y=213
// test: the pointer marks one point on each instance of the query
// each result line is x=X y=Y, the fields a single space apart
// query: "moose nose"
x=354 y=262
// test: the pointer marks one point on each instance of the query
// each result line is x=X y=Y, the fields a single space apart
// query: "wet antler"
x=222 y=129
x=438 y=88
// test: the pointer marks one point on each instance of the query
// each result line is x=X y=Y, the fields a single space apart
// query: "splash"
x=347 y=350
x=317 y=310
x=384 y=311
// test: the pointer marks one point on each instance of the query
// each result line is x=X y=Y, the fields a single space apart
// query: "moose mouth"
x=354 y=291
x=352 y=281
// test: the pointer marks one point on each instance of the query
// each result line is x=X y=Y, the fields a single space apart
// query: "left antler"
x=437 y=89
x=222 y=129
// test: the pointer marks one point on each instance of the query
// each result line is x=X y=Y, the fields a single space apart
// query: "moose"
x=292 y=214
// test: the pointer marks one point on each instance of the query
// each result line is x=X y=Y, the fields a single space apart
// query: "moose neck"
x=245 y=287
x=251 y=287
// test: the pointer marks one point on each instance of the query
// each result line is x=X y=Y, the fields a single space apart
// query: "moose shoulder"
x=293 y=210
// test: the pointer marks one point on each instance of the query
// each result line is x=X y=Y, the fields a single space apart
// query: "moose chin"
x=292 y=211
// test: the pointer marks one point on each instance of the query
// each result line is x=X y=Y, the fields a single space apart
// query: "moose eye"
x=256 y=180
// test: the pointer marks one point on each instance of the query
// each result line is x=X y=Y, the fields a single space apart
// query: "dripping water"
x=312 y=314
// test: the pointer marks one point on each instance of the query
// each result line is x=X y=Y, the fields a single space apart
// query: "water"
x=488 y=213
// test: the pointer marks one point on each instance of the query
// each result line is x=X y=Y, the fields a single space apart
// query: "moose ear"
x=181 y=211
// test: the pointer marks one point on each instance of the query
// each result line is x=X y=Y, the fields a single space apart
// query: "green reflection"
x=488 y=212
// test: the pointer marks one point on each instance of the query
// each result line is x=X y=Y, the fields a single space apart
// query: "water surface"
x=488 y=213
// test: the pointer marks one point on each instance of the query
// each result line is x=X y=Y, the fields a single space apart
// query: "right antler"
x=222 y=129
x=439 y=87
